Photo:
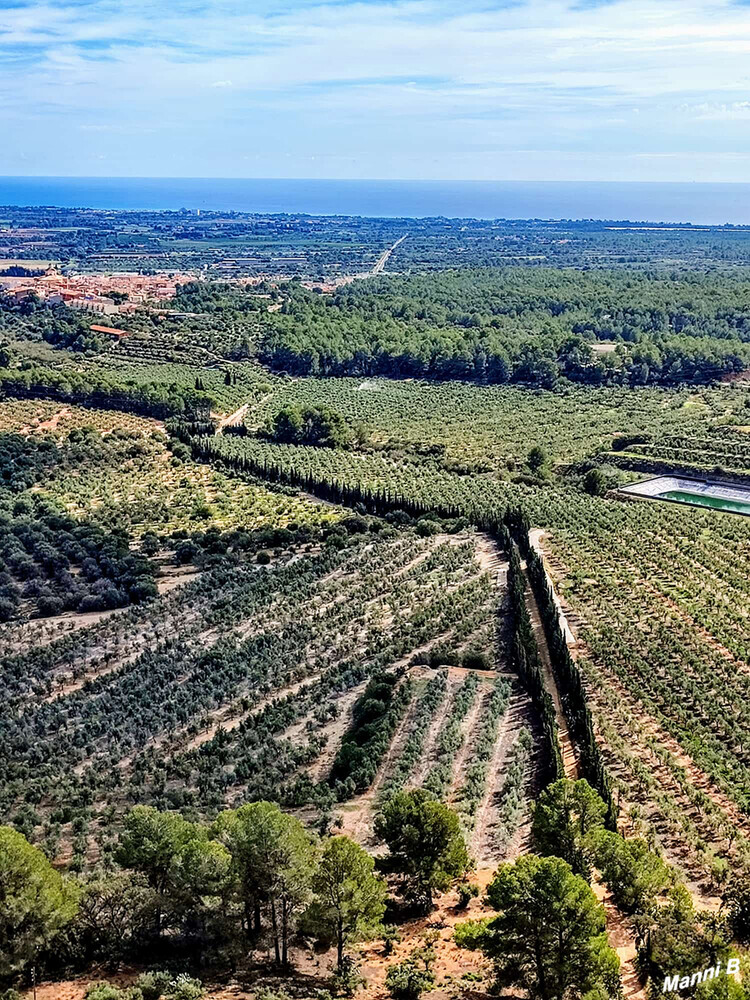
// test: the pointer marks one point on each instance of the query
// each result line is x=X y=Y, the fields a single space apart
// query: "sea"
x=698 y=203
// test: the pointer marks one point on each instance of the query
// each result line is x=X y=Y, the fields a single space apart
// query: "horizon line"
x=366 y=180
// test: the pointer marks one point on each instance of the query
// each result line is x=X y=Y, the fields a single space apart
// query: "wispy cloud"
x=529 y=88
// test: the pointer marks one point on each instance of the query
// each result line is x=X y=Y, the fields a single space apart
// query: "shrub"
x=471 y=933
x=466 y=892
x=185 y=988
x=106 y=991
x=153 y=985
x=475 y=659
x=409 y=980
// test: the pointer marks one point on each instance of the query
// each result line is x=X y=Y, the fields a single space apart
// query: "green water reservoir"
x=706 y=500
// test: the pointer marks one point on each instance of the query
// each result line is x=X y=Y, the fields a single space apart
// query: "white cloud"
x=376 y=81
x=734 y=111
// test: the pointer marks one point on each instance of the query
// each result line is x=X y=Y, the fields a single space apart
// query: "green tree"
x=287 y=425
x=151 y=843
x=737 y=899
x=537 y=458
x=565 y=815
x=349 y=898
x=635 y=874
x=673 y=937
x=200 y=880
x=595 y=482
x=550 y=933
x=273 y=859
x=35 y=902
x=425 y=842
x=722 y=988
x=113 y=910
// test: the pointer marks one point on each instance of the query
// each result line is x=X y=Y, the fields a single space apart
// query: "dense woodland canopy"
x=510 y=325
x=524 y=326
x=57 y=325
x=89 y=388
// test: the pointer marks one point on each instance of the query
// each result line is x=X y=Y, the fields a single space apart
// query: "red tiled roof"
x=111 y=330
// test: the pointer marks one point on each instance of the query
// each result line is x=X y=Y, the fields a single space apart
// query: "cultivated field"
x=222 y=584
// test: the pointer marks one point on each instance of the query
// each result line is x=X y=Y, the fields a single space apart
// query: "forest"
x=517 y=326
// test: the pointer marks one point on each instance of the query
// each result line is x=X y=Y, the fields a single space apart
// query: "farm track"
x=621 y=938
x=619 y=932
x=233 y=419
x=569 y=756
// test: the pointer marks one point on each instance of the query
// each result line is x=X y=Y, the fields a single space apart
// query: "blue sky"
x=524 y=89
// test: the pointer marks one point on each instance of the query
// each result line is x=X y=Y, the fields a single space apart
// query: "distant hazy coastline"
x=700 y=204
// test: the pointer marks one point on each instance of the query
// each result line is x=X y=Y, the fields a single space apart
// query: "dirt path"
x=233 y=419
x=535 y=537
x=19 y=638
x=175 y=576
x=53 y=422
x=619 y=931
x=490 y=559
x=569 y=756
x=621 y=939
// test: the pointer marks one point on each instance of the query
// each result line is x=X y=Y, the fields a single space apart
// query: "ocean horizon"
x=637 y=201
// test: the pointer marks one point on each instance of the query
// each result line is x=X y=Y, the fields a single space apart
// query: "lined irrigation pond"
x=696 y=492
